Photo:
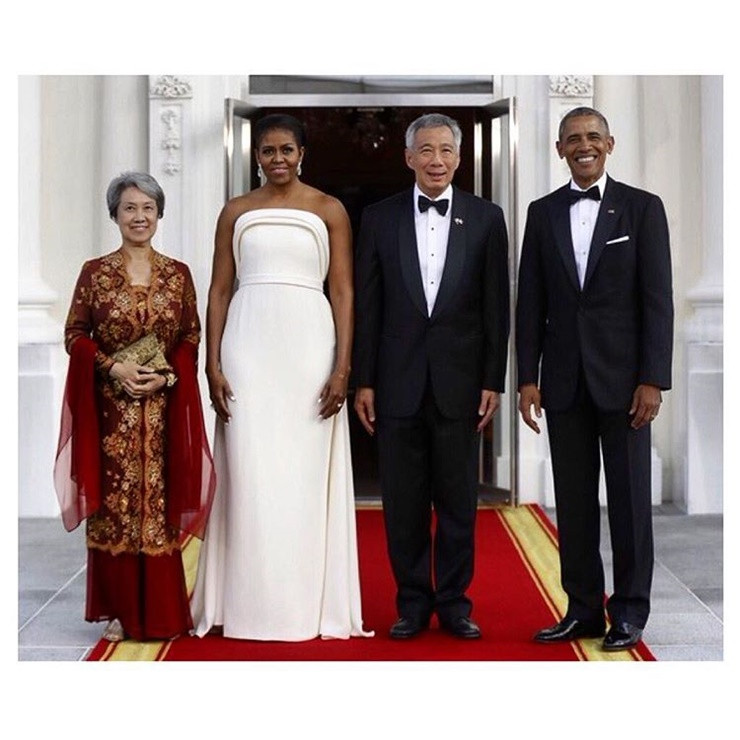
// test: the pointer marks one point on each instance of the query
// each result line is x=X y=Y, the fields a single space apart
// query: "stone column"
x=124 y=144
x=170 y=111
x=704 y=331
x=40 y=353
x=619 y=99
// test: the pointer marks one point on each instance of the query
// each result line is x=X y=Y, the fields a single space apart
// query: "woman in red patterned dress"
x=133 y=456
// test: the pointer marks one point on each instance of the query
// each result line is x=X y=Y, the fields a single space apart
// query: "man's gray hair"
x=141 y=180
x=433 y=120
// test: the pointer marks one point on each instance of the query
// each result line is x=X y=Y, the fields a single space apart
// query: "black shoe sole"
x=619 y=648
x=463 y=636
x=405 y=635
x=570 y=638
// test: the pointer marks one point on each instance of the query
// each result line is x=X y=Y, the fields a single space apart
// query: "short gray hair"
x=433 y=120
x=579 y=112
x=140 y=180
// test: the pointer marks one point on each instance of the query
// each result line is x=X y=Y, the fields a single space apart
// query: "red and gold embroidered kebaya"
x=105 y=307
x=140 y=470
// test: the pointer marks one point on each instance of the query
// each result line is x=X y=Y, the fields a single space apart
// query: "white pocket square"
x=620 y=239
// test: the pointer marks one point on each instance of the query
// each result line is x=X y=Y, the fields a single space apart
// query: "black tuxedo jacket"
x=619 y=327
x=462 y=347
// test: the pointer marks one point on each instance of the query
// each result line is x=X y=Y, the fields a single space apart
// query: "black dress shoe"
x=571 y=628
x=407 y=627
x=463 y=627
x=622 y=636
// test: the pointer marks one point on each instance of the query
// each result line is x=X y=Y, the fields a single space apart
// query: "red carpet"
x=515 y=592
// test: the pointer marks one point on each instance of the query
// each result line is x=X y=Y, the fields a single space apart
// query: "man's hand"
x=489 y=403
x=529 y=395
x=365 y=408
x=645 y=405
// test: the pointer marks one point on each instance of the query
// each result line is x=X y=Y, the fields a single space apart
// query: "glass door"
x=238 y=168
x=495 y=179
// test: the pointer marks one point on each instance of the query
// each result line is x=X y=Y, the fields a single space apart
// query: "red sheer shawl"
x=191 y=479
x=77 y=466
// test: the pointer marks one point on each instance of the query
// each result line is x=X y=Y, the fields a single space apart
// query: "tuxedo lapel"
x=560 y=215
x=611 y=207
x=409 y=254
x=455 y=259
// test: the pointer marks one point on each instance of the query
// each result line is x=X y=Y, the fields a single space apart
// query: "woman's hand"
x=333 y=394
x=221 y=394
x=138 y=381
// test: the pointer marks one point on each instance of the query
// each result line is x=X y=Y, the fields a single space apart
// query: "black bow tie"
x=576 y=195
x=440 y=205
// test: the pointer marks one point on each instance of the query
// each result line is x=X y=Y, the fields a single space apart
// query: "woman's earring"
x=260 y=173
x=299 y=168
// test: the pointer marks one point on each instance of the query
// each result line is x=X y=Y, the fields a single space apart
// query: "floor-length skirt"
x=279 y=561
x=146 y=593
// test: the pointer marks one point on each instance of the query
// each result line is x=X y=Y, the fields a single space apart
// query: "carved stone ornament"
x=170 y=86
x=572 y=86
x=172 y=140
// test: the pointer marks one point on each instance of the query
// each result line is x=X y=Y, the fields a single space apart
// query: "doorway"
x=356 y=153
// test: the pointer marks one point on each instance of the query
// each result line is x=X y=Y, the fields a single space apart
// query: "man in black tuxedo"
x=432 y=317
x=594 y=327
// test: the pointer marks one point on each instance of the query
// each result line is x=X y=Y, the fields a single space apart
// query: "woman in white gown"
x=279 y=559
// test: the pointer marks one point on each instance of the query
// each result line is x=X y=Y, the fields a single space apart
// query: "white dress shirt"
x=432 y=232
x=583 y=215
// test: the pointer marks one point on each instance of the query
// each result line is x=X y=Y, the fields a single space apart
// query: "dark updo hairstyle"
x=281 y=122
x=140 y=180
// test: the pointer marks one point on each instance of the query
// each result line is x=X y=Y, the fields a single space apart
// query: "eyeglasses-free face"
x=434 y=159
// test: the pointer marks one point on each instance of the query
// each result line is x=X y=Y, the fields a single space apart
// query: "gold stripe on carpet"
x=157 y=651
x=190 y=551
x=132 y=650
x=537 y=546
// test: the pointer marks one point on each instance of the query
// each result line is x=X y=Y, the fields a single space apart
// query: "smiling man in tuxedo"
x=432 y=318
x=594 y=343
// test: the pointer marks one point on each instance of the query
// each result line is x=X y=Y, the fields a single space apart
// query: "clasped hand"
x=139 y=381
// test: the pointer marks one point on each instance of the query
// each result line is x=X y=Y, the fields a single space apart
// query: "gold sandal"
x=114 y=631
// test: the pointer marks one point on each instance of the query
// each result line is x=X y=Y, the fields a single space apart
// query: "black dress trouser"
x=575 y=436
x=428 y=461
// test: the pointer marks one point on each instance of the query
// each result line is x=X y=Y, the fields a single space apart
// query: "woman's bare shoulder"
x=327 y=206
x=241 y=204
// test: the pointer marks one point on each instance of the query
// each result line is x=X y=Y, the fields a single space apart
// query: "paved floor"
x=686 y=622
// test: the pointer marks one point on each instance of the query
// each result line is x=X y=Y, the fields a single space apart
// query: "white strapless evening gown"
x=279 y=559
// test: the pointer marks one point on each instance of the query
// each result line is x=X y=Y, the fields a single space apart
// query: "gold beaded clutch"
x=145 y=351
